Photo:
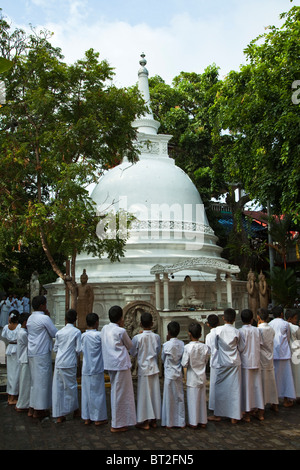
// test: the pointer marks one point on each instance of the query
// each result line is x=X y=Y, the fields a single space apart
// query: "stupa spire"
x=146 y=123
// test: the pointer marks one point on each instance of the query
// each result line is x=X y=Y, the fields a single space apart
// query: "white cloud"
x=187 y=42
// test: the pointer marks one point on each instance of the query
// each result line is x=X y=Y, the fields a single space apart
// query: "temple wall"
x=108 y=294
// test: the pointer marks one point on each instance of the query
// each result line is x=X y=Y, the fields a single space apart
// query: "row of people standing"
x=109 y=350
x=255 y=365
x=31 y=386
x=12 y=302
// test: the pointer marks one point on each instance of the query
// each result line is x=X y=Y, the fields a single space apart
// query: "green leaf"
x=5 y=64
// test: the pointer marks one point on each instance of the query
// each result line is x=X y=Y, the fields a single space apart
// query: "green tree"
x=257 y=108
x=61 y=127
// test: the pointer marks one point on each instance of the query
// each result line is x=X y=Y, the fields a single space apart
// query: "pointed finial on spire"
x=146 y=124
x=143 y=61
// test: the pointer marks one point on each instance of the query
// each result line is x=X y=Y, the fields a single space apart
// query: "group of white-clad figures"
x=12 y=302
x=249 y=368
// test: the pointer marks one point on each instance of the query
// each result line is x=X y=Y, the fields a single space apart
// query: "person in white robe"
x=115 y=346
x=2 y=307
x=10 y=333
x=252 y=391
x=93 y=396
x=22 y=356
x=266 y=359
x=228 y=379
x=210 y=341
x=282 y=357
x=19 y=304
x=146 y=346
x=41 y=332
x=5 y=309
x=173 y=406
x=14 y=303
x=194 y=360
x=26 y=303
x=292 y=318
x=67 y=347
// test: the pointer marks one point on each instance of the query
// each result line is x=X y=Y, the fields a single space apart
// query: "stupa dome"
x=148 y=187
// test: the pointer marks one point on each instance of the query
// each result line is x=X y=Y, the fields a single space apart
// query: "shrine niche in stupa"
x=132 y=317
x=132 y=322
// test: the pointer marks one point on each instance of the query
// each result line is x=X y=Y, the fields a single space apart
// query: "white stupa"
x=169 y=238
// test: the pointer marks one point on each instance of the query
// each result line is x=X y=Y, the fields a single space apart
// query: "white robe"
x=12 y=364
x=210 y=340
x=64 y=391
x=67 y=347
x=24 y=386
x=252 y=391
x=5 y=308
x=146 y=346
x=41 y=332
x=123 y=412
x=115 y=346
x=173 y=406
x=25 y=378
x=267 y=364
x=194 y=359
x=282 y=359
x=93 y=396
x=228 y=377
x=295 y=345
x=148 y=398
x=41 y=381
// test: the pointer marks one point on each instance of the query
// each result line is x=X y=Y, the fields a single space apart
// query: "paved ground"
x=279 y=431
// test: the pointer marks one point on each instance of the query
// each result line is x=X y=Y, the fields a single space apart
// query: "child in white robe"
x=266 y=359
x=22 y=355
x=173 y=406
x=194 y=360
x=115 y=346
x=210 y=340
x=292 y=318
x=5 y=309
x=93 y=396
x=228 y=379
x=282 y=357
x=146 y=346
x=10 y=333
x=252 y=391
x=67 y=347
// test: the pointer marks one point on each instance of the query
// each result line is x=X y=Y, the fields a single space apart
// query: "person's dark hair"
x=213 y=320
x=290 y=314
x=146 y=319
x=263 y=314
x=23 y=317
x=91 y=319
x=14 y=316
x=195 y=330
x=246 y=315
x=38 y=301
x=229 y=315
x=71 y=316
x=277 y=311
x=173 y=328
x=115 y=313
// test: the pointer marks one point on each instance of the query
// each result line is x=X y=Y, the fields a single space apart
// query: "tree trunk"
x=69 y=280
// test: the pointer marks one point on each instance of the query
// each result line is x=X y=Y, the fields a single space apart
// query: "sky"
x=175 y=35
